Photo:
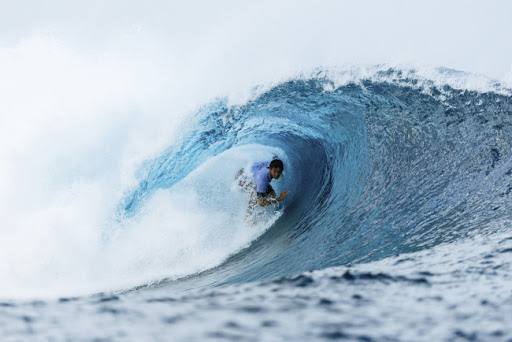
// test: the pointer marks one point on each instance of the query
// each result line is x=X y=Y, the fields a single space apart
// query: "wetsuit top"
x=261 y=173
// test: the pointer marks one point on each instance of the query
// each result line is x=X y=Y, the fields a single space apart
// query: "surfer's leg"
x=249 y=219
x=252 y=203
x=270 y=192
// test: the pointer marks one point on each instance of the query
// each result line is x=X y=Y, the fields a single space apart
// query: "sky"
x=259 y=37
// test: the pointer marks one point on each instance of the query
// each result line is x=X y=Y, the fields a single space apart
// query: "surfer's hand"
x=282 y=195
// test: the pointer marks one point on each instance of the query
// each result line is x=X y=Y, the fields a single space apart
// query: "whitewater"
x=121 y=218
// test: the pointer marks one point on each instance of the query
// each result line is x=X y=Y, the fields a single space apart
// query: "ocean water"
x=397 y=226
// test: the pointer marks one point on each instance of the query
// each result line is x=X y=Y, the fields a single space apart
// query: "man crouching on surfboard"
x=259 y=186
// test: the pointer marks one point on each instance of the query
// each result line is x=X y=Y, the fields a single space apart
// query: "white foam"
x=59 y=249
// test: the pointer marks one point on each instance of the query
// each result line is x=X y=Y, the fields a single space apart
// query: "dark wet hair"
x=276 y=163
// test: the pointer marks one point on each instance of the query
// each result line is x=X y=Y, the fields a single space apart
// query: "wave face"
x=386 y=165
x=379 y=162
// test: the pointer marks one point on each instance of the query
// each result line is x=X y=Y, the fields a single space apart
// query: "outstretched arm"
x=266 y=201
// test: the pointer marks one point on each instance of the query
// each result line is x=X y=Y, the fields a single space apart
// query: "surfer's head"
x=276 y=167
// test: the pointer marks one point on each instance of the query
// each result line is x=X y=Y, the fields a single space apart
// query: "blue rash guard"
x=261 y=174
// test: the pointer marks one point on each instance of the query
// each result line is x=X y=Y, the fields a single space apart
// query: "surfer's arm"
x=263 y=201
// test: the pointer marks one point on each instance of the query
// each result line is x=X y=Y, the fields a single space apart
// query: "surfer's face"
x=275 y=172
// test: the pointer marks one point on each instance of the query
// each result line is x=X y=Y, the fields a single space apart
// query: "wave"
x=378 y=166
x=379 y=162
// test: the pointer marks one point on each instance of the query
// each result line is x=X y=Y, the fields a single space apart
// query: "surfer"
x=262 y=192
